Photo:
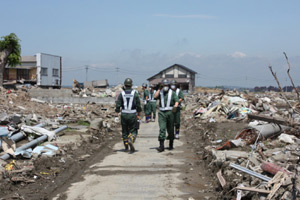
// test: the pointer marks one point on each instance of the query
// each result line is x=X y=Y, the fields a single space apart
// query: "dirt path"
x=145 y=174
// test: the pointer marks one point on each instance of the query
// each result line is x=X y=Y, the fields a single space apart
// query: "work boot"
x=171 y=142
x=177 y=134
x=131 y=140
x=126 y=145
x=161 y=147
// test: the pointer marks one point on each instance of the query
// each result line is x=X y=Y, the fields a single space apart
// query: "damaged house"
x=184 y=77
x=43 y=70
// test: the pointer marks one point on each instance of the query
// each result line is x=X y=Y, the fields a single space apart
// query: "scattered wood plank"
x=253 y=189
x=272 y=120
x=22 y=179
x=260 y=152
x=275 y=179
x=24 y=169
x=221 y=179
x=274 y=190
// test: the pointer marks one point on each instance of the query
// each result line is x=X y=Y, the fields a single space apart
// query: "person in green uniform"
x=152 y=103
x=177 y=113
x=129 y=101
x=145 y=100
x=167 y=105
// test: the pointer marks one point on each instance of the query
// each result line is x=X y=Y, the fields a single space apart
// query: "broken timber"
x=253 y=189
x=221 y=178
x=272 y=120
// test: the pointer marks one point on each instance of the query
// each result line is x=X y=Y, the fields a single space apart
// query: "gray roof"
x=28 y=59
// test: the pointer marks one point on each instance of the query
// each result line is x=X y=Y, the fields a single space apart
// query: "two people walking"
x=170 y=98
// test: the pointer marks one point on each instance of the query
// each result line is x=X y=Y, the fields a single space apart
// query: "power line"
x=101 y=70
x=72 y=69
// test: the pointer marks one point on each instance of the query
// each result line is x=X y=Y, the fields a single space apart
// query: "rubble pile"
x=18 y=106
x=31 y=129
x=233 y=105
x=252 y=149
x=97 y=92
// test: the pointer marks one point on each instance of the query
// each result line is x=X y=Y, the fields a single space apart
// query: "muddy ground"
x=202 y=181
x=52 y=176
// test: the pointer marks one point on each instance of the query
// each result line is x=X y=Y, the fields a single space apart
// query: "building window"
x=55 y=72
x=6 y=74
x=56 y=82
x=44 y=71
x=22 y=74
x=181 y=75
x=169 y=75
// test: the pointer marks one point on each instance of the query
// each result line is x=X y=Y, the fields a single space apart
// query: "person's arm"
x=175 y=99
x=156 y=95
x=138 y=104
x=119 y=103
x=181 y=96
x=146 y=95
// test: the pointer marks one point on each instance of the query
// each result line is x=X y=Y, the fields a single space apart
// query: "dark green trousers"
x=166 y=123
x=152 y=109
x=128 y=122
x=177 y=118
x=147 y=109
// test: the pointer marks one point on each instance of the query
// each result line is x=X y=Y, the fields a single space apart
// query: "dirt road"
x=146 y=174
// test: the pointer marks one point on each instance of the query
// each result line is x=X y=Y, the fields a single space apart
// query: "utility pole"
x=86 y=72
x=117 y=70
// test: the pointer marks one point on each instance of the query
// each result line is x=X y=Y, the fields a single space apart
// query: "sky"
x=227 y=42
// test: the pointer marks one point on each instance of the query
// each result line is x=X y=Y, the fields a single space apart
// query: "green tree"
x=10 y=53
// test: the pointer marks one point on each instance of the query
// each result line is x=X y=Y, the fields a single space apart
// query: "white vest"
x=177 y=91
x=151 y=98
x=128 y=105
x=164 y=106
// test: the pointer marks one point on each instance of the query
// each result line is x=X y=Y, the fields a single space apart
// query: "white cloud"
x=186 y=16
x=238 y=54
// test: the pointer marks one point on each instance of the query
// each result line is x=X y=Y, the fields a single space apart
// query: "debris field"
x=248 y=143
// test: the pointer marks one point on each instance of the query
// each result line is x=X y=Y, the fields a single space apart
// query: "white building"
x=42 y=69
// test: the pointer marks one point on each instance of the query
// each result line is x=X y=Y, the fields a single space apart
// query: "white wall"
x=176 y=70
x=181 y=71
x=50 y=62
x=170 y=71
